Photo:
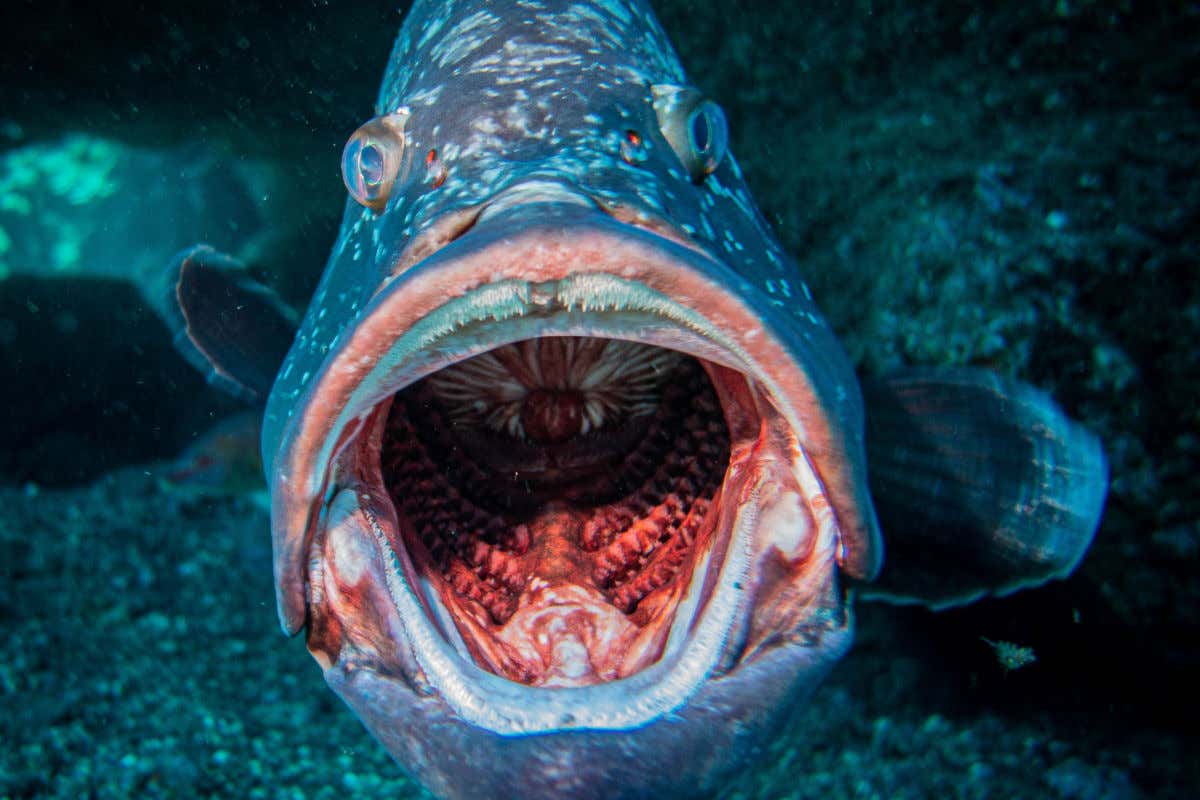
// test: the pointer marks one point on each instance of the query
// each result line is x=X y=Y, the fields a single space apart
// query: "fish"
x=223 y=460
x=572 y=486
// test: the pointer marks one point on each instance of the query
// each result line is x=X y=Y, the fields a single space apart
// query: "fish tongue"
x=565 y=630
x=568 y=635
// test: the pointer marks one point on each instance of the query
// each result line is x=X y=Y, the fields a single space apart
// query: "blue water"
x=1014 y=189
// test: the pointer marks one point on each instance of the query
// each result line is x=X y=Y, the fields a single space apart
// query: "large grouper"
x=569 y=478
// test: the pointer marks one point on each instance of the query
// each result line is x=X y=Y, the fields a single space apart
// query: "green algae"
x=76 y=167
x=87 y=206
x=42 y=186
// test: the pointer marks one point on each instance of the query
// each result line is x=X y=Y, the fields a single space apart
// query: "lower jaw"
x=722 y=730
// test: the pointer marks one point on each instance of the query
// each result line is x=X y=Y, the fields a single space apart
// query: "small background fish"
x=224 y=459
x=1024 y=182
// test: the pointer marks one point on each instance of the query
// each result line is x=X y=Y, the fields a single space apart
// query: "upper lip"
x=530 y=191
x=442 y=227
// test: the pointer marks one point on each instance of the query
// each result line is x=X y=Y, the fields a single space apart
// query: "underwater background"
x=1012 y=187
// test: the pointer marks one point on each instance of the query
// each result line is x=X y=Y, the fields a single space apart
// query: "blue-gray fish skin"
x=567 y=471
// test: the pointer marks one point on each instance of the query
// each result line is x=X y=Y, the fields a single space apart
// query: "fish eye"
x=375 y=158
x=695 y=128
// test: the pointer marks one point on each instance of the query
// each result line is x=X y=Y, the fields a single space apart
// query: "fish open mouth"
x=566 y=495
x=554 y=495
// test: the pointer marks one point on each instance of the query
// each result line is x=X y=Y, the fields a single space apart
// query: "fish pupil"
x=370 y=165
x=700 y=136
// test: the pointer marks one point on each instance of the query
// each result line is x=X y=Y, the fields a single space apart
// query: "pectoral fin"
x=226 y=324
x=982 y=486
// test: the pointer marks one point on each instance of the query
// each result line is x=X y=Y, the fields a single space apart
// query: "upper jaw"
x=534 y=192
x=581 y=273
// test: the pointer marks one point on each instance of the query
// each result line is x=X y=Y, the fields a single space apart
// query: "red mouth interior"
x=555 y=494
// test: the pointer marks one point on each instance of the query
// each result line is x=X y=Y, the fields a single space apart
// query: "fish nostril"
x=435 y=168
x=633 y=148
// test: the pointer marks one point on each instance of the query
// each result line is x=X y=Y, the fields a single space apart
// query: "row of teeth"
x=509 y=299
x=694 y=647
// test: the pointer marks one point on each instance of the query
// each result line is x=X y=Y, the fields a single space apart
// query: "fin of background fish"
x=225 y=323
x=982 y=486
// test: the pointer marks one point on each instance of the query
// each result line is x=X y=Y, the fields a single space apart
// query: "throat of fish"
x=552 y=492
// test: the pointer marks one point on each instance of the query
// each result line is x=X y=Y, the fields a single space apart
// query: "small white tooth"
x=442 y=615
x=686 y=611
